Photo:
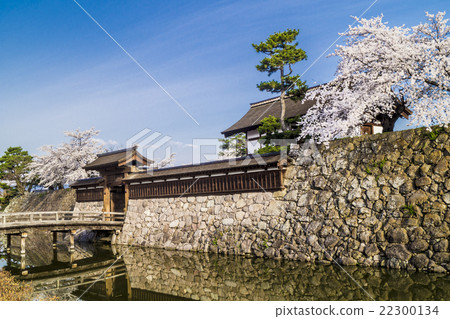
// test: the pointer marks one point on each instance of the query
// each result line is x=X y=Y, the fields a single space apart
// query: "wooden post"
x=55 y=256
x=23 y=237
x=127 y=197
x=23 y=265
x=55 y=239
x=106 y=199
x=72 y=240
x=109 y=283
x=129 y=291
x=72 y=259
x=8 y=243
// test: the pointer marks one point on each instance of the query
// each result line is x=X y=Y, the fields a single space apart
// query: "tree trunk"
x=283 y=112
x=388 y=122
x=283 y=104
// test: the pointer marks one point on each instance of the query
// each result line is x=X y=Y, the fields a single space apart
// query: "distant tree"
x=233 y=146
x=64 y=164
x=382 y=71
x=14 y=165
x=164 y=162
x=282 y=53
x=7 y=192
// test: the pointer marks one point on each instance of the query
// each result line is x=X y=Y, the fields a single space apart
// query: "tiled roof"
x=211 y=167
x=260 y=110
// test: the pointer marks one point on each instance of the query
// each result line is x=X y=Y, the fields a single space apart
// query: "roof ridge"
x=118 y=151
x=278 y=97
x=264 y=101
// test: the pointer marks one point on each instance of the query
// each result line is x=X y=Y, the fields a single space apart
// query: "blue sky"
x=59 y=71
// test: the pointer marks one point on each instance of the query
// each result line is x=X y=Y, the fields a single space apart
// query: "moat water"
x=102 y=272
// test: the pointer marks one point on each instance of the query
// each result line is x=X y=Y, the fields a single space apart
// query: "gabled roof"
x=117 y=158
x=238 y=164
x=260 y=110
x=87 y=182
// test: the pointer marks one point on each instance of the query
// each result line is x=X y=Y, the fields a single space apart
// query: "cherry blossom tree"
x=382 y=71
x=64 y=164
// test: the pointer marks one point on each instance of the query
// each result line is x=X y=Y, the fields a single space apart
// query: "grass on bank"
x=12 y=289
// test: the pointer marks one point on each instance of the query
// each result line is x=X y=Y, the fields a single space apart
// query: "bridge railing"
x=56 y=216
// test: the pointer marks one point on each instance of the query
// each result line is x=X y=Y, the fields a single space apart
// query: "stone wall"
x=207 y=223
x=379 y=200
x=96 y=206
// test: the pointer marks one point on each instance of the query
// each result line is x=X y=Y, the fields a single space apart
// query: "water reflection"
x=152 y=274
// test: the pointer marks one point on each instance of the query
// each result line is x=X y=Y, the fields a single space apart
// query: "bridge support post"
x=23 y=265
x=72 y=260
x=55 y=256
x=114 y=237
x=8 y=243
x=72 y=240
x=55 y=239
x=23 y=237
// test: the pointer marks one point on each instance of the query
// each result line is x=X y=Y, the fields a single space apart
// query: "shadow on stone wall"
x=62 y=200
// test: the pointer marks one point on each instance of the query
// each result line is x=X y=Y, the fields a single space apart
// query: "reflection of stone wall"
x=96 y=206
x=379 y=200
x=201 y=276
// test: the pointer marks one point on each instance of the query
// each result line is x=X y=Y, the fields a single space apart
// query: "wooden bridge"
x=13 y=223
x=59 y=221
x=99 y=273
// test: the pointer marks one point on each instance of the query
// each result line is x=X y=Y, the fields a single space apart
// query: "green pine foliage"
x=282 y=53
x=14 y=167
x=270 y=129
x=233 y=146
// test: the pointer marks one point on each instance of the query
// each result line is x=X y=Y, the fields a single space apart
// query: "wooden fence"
x=225 y=184
x=90 y=195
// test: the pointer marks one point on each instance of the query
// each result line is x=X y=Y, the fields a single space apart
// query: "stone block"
x=395 y=202
x=371 y=250
x=331 y=241
x=373 y=193
x=398 y=235
x=262 y=225
x=420 y=261
x=431 y=220
x=419 y=245
x=423 y=181
x=398 y=251
x=247 y=222
x=418 y=197
x=441 y=246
